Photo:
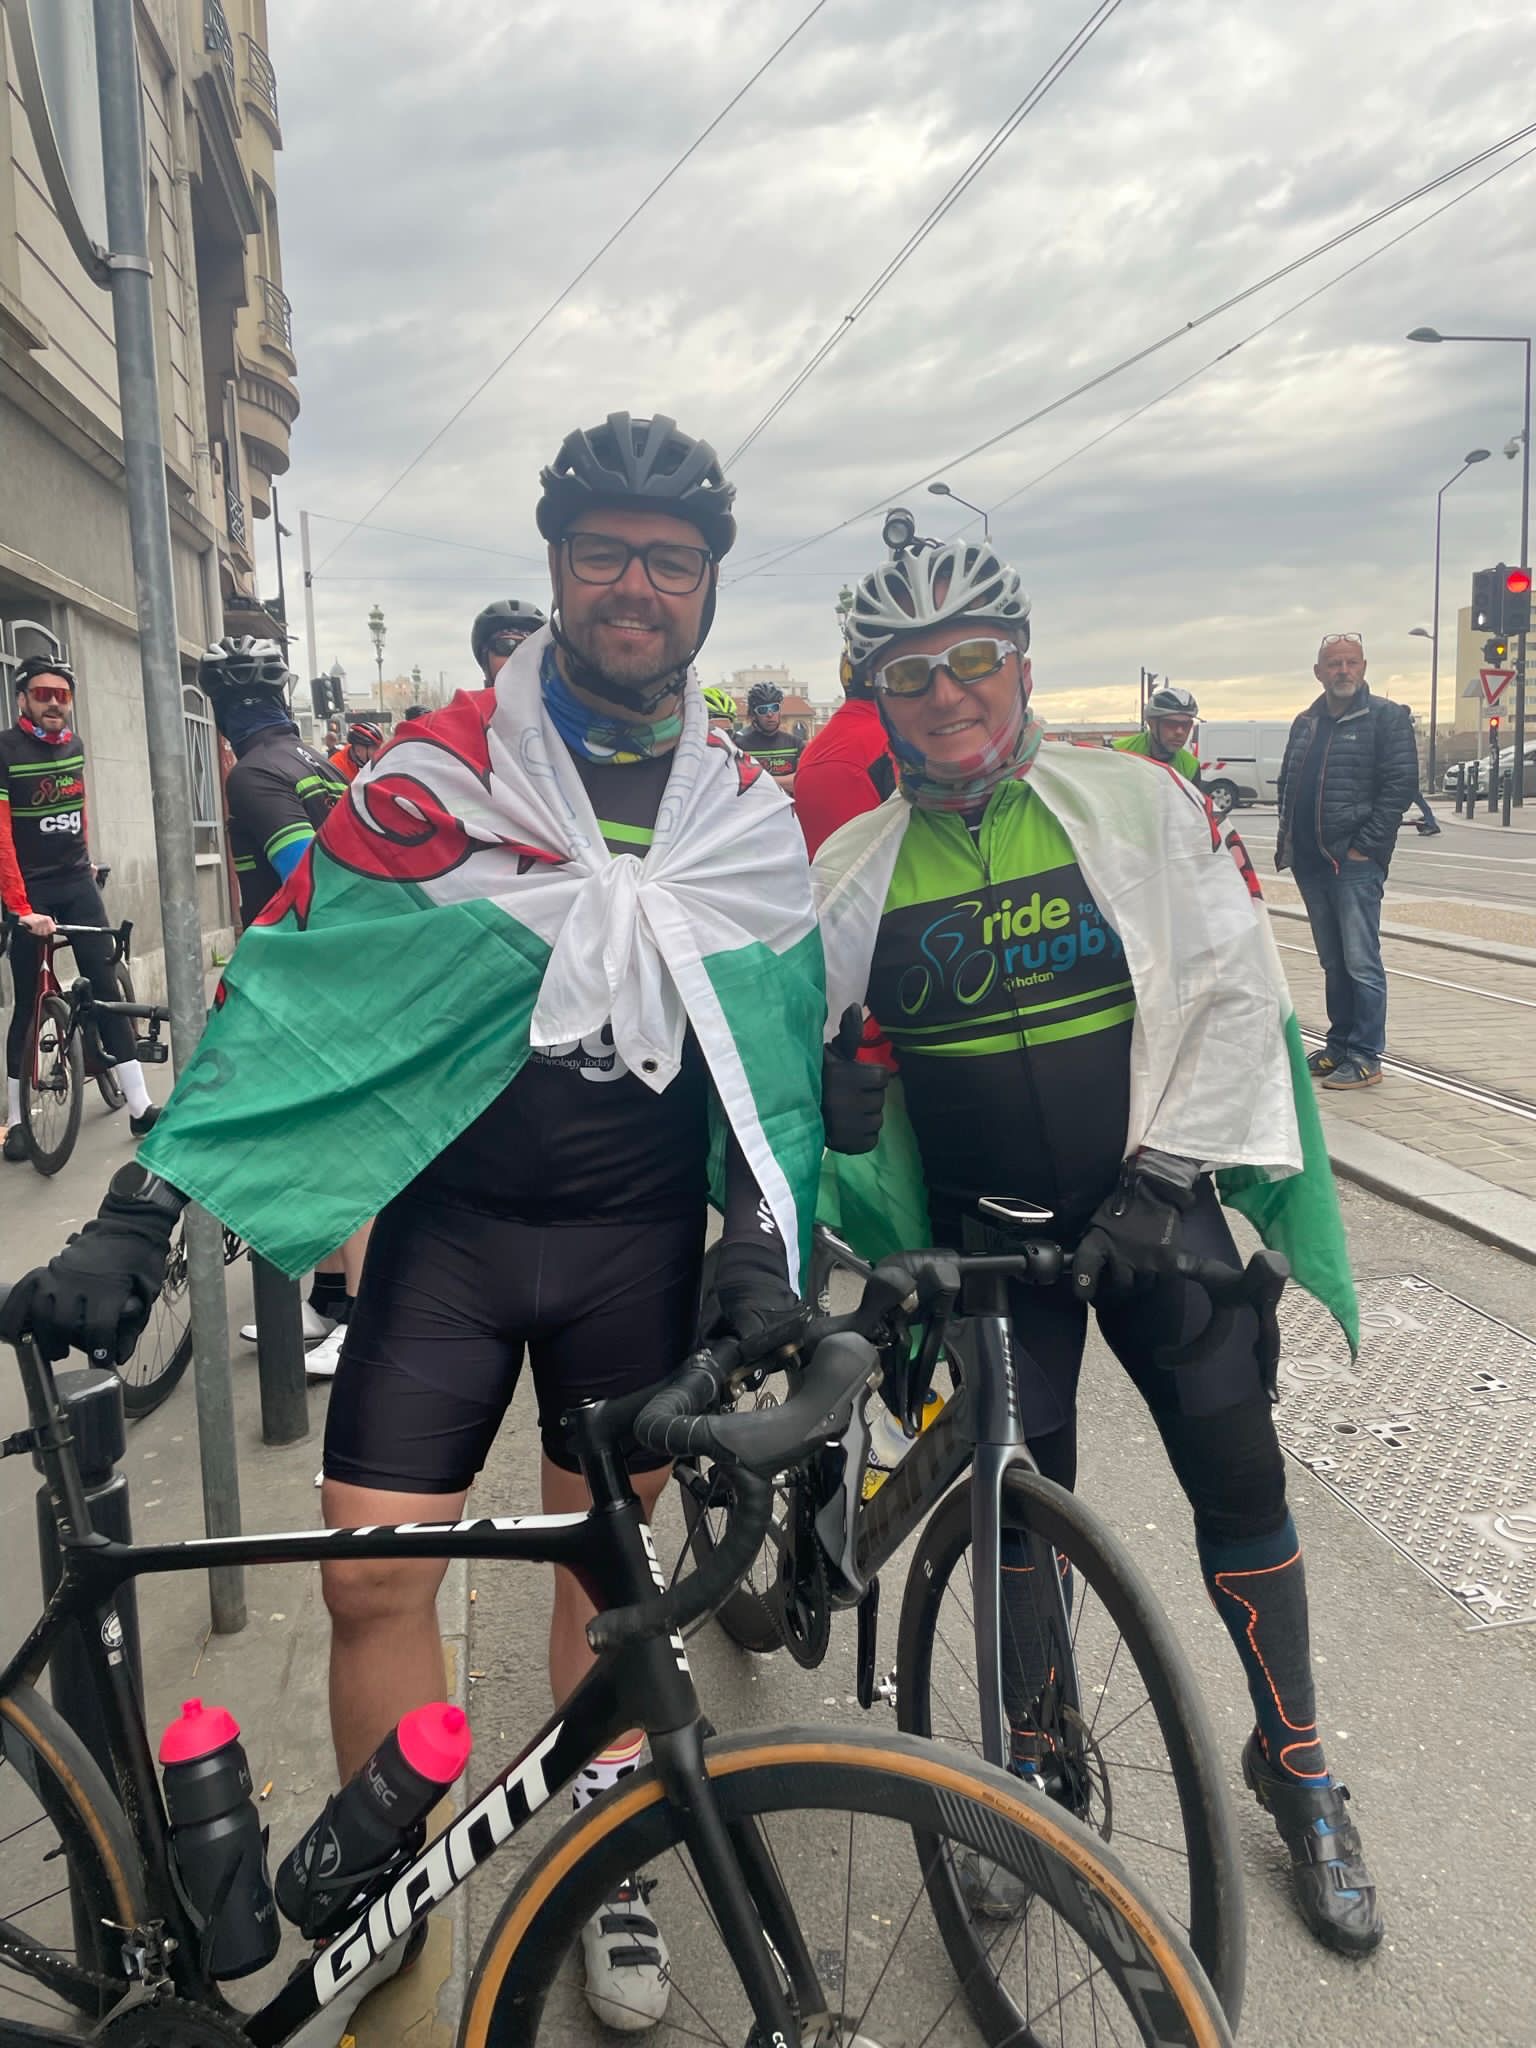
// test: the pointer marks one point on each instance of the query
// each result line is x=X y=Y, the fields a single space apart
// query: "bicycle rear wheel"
x=107 y=1082
x=1134 y=1759
x=150 y=1375
x=51 y=1102
x=845 y=1831
x=69 y=1868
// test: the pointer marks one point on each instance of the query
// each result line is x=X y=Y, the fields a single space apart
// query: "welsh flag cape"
x=460 y=906
x=1218 y=1071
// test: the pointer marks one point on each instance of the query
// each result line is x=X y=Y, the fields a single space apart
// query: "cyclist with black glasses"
x=1087 y=1015
x=500 y=630
x=47 y=879
x=562 y=953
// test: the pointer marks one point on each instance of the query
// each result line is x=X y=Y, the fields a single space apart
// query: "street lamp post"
x=1473 y=455
x=1517 y=795
x=943 y=491
x=376 y=628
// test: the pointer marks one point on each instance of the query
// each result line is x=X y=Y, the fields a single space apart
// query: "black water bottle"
x=376 y=1818
x=217 y=1838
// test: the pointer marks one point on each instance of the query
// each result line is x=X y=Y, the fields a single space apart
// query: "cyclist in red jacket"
x=847 y=768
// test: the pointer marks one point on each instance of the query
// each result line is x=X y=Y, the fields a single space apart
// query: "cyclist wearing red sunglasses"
x=1087 y=1016
x=47 y=879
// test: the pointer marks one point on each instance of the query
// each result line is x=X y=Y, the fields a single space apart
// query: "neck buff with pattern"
x=256 y=716
x=60 y=738
x=965 y=785
x=596 y=738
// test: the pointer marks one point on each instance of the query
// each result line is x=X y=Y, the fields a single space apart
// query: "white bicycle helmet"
x=1169 y=701
x=903 y=594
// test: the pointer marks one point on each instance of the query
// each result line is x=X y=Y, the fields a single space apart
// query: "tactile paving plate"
x=1430 y=1436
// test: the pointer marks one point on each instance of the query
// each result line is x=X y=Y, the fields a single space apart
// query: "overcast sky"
x=450 y=165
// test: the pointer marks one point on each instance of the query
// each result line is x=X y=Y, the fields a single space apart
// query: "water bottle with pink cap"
x=376 y=1821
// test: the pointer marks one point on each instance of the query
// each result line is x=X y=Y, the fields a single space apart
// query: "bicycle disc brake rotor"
x=797 y=1599
x=169 y=2023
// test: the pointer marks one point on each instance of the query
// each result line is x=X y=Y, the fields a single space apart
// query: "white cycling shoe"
x=627 y=1961
x=332 y=2024
x=315 y=1325
x=321 y=1363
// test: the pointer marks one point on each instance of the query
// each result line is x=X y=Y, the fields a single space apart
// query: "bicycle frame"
x=981 y=1429
x=646 y=1683
x=49 y=984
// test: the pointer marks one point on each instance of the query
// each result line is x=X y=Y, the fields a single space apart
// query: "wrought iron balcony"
x=276 y=313
x=217 y=39
x=260 y=78
x=234 y=515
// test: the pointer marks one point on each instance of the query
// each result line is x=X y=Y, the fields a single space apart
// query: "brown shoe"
x=1352 y=1074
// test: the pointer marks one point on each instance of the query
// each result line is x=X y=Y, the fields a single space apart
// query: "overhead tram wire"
x=586 y=269
x=439 y=540
x=1227 y=353
x=1057 y=67
x=771 y=557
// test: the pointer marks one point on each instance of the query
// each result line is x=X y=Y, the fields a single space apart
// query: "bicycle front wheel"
x=844 y=1832
x=52 y=1077
x=154 y=1368
x=1105 y=1712
x=70 y=1873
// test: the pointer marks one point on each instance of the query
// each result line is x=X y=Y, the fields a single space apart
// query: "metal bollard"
x=279 y=1354
x=93 y=1402
x=1509 y=795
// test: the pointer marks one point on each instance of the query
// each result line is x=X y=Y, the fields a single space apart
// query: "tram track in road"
x=1449 y=1084
x=1489 y=995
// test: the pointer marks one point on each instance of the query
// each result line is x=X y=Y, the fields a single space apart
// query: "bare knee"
x=363 y=1594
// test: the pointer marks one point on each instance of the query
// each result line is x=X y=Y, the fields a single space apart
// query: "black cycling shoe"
x=1333 y=1889
x=141 y=1126
x=15 y=1147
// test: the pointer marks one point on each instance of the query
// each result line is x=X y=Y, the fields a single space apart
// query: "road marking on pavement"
x=1488 y=995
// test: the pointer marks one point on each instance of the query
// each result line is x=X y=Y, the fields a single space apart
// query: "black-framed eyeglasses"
x=968 y=662
x=672 y=568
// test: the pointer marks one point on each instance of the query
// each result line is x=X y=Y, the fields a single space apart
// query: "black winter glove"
x=852 y=1090
x=753 y=1295
x=1135 y=1235
x=95 y=1296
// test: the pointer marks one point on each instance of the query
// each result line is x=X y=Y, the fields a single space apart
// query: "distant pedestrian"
x=1350 y=771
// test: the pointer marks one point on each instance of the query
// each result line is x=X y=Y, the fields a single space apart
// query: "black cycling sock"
x=1259 y=1589
x=327 y=1293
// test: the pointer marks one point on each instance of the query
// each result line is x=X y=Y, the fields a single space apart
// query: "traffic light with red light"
x=1493 y=731
x=1517 y=602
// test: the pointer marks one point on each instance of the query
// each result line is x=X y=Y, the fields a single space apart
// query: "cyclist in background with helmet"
x=1167 y=723
x=47 y=879
x=500 y=629
x=364 y=740
x=1021 y=997
x=761 y=737
x=721 y=707
x=848 y=767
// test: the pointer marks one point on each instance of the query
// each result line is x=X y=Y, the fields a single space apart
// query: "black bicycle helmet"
x=43 y=665
x=244 y=664
x=648 y=462
x=762 y=694
x=503 y=615
x=364 y=729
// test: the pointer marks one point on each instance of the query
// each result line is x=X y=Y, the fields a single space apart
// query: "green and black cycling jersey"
x=279 y=793
x=1141 y=743
x=1005 y=993
x=779 y=752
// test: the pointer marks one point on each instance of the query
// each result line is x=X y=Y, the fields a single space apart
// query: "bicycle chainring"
x=149 y=2022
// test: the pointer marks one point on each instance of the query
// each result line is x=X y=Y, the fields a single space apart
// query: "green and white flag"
x=1218 y=1071
x=459 y=907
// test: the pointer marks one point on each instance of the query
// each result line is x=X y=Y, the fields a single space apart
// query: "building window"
x=19 y=638
x=203 y=758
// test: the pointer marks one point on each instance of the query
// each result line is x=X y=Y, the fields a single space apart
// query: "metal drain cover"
x=1430 y=1437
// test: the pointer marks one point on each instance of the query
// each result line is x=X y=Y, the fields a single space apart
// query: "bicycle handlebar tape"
x=704 y=1590
x=768 y=1439
x=686 y=1397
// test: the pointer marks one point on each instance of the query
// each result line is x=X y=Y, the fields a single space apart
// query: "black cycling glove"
x=1136 y=1232
x=852 y=1090
x=95 y=1296
x=753 y=1294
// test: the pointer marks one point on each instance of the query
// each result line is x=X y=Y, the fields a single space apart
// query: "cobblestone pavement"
x=1455 y=1030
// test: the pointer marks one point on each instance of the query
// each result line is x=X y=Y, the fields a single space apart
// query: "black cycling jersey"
x=42 y=811
x=1006 y=995
x=779 y=751
x=279 y=793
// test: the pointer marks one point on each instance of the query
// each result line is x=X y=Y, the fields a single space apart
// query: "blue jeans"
x=1345 y=914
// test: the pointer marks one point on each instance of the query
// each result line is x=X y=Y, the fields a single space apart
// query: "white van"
x=1240 y=760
